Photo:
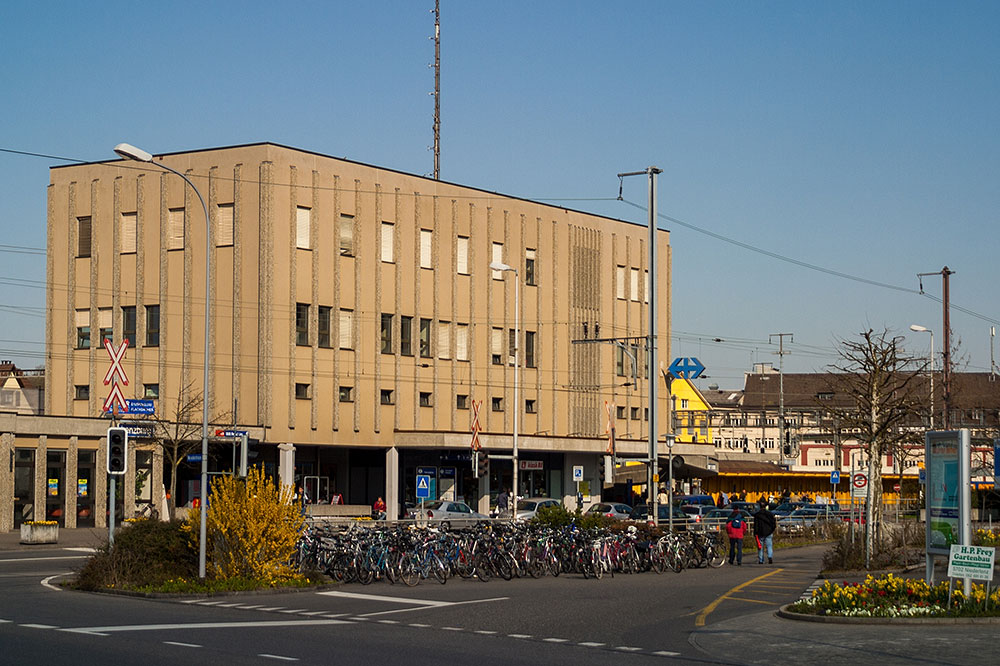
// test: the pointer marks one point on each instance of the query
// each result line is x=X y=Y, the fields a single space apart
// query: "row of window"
x=149 y=391
x=128 y=326
x=627 y=288
x=388 y=397
x=175 y=230
x=634 y=413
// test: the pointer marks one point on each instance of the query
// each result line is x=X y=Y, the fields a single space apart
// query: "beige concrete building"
x=355 y=322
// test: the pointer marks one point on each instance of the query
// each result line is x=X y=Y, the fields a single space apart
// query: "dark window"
x=425 y=338
x=529 y=349
x=425 y=399
x=386 y=333
x=83 y=236
x=462 y=401
x=151 y=390
x=81 y=392
x=511 y=346
x=323 y=326
x=128 y=324
x=83 y=337
x=386 y=397
x=152 y=325
x=529 y=267
x=302 y=324
x=406 y=335
x=347 y=394
x=497 y=404
x=530 y=407
x=301 y=391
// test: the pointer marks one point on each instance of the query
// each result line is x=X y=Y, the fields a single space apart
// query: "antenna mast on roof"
x=437 y=89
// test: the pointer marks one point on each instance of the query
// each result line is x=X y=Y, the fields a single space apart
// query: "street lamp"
x=917 y=328
x=499 y=266
x=130 y=152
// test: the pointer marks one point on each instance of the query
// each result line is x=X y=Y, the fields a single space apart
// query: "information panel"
x=947 y=490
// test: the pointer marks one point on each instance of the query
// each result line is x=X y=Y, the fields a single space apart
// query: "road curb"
x=786 y=614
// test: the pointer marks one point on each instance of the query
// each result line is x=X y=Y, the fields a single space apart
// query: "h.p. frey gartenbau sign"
x=975 y=562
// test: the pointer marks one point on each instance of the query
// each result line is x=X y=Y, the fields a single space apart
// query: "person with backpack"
x=736 y=529
x=764 y=524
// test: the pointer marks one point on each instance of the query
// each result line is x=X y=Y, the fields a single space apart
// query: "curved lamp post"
x=498 y=266
x=917 y=328
x=130 y=152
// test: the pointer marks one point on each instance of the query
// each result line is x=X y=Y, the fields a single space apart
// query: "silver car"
x=615 y=510
x=450 y=513
x=528 y=507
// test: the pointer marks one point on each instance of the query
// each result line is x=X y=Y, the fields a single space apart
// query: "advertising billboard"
x=947 y=459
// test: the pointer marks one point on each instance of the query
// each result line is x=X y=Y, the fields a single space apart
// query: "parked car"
x=614 y=510
x=748 y=507
x=832 y=508
x=450 y=513
x=528 y=507
x=786 y=508
x=682 y=500
x=802 y=519
x=697 y=511
x=681 y=520
x=718 y=517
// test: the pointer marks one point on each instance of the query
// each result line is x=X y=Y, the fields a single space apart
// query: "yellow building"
x=691 y=414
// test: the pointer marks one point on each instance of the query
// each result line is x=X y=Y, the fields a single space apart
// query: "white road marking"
x=667 y=653
x=6 y=621
x=46 y=583
x=294 y=610
x=200 y=625
x=42 y=559
x=555 y=640
x=519 y=635
x=419 y=625
x=334 y=614
x=625 y=648
x=377 y=597
x=440 y=604
x=81 y=550
x=314 y=613
x=209 y=603
x=452 y=629
x=484 y=632
x=37 y=626
x=277 y=656
x=250 y=607
x=272 y=608
x=181 y=644
x=589 y=644
x=389 y=621
x=227 y=605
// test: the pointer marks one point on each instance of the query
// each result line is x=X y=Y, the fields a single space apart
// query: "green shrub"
x=146 y=553
x=553 y=516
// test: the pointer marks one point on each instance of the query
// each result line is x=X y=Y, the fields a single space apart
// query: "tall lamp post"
x=917 y=328
x=498 y=266
x=130 y=152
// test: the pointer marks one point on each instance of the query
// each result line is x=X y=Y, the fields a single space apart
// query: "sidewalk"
x=80 y=537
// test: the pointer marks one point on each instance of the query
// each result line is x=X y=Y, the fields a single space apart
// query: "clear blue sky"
x=861 y=137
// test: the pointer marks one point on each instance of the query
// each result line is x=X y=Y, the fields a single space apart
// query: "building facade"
x=357 y=329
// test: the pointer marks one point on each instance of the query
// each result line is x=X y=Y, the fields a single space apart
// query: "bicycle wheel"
x=716 y=556
x=463 y=564
x=483 y=568
x=438 y=569
x=408 y=572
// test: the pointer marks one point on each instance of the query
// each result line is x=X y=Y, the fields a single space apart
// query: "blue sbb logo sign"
x=686 y=368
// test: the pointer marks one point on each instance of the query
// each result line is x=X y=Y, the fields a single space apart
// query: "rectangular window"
x=347 y=235
x=462 y=256
x=620 y=283
x=529 y=349
x=620 y=413
x=405 y=335
x=619 y=361
x=128 y=222
x=511 y=346
x=128 y=324
x=302 y=324
x=426 y=238
x=425 y=338
x=83 y=329
x=462 y=401
x=529 y=266
x=224 y=224
x=497 y=257
x=346 y=393
x=530 y=407
x=175 y=229
x=303 y=224
x=151 y=391
x=388 y=238
x=496 y=404
x=462 y=342
x=496 y=346
x=634 y=414
x=347 y=329
x=385 y=332
x=645 y=296
x=81 y=392
x=301 y=391
x=634 y=283
x=323 y=328
x=105 y=332
x=444 y=339
x=385 y=397
x=425 y=399
x=83 y=236
x=152 y=325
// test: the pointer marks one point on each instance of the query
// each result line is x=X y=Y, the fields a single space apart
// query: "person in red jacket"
x=736 y=529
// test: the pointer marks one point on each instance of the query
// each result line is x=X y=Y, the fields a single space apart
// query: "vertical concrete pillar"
x=126 y=489
x=41 y=474
x=159 y=492
x=72 y=461
x=100 y=491
x=286 y=464
x=6 y=482
x=392 y=483
x=484 y=494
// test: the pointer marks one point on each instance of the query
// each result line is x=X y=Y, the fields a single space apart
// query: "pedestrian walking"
x=502 y=502
x=764 y=524
x=736 y=529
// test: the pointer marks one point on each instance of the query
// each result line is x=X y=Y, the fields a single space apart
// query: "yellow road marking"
x=700 y=620
x=753 y=601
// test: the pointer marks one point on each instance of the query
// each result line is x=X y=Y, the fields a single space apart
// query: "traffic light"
x=117 y=450
x=484 y=463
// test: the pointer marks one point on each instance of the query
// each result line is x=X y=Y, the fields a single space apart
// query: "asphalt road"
x=564 y=620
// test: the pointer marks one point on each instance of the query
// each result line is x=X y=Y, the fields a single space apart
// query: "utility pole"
x=437 y=90
x=945 y=273
x=781 y=387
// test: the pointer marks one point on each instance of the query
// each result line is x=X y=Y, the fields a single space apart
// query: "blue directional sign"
x=194 y=457
x=140 y=406
x=686 y=368
x=234 y=434
x=834 y=477
x=423 y=486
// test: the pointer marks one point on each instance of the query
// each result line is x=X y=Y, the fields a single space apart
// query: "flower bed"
x=892 y=596
x=39 y=531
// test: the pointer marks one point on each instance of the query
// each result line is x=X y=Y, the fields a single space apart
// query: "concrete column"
x=392 y=483
x=126 y=489
x=286 y=464
x=159 y=492
x=41 y=474
x=6 y=482
x=484 y=494
x=72 y=460
x=100 y=490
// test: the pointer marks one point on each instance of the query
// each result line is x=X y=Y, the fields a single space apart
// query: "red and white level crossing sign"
x=476 y=404
x=116 y=399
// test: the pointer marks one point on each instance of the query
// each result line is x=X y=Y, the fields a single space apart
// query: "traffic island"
x=39 y=532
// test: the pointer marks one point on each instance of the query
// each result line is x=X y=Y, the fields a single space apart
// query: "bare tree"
x=178 y=433
x=879 y=381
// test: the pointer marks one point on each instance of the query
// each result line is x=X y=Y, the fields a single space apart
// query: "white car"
x=528 y=507
x=450 y=513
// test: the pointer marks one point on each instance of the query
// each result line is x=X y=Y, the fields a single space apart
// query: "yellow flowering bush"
x=252 y=529
x=893 y=596
x=41 y=522
x=987 y=537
